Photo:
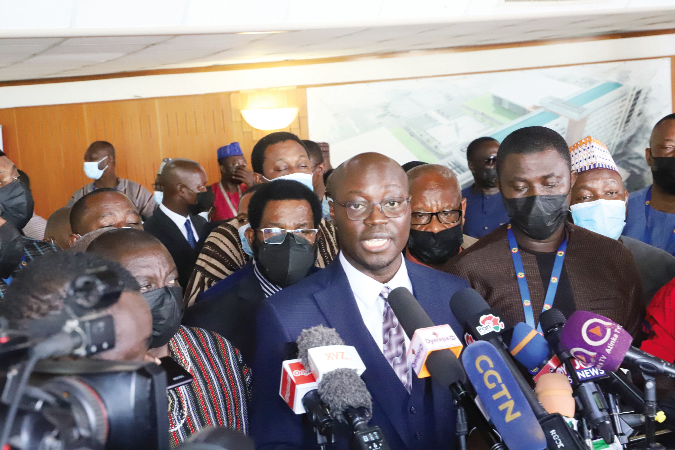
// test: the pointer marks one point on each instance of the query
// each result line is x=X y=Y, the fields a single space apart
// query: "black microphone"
x=443 y=365
x=593 y=405
x=486 y=324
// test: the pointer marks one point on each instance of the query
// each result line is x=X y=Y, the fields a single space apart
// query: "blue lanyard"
x=522 y=281
x=647 y=236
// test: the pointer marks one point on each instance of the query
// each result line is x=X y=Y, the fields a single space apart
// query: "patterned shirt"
x=139 y=196
x=32 y=248
x=219 y=394
x=222 y=255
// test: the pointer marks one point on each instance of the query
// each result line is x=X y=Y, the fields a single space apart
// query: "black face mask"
x=285 y=263
x=435 y=248
x=663 y=172
x=490 y=177
x=205 y=202
x=538 y=216
x=164 y=304
x=11 y=250
x=16 y=204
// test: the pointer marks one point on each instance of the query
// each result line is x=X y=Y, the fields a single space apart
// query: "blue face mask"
x=606 y=217
x=158 y=196
x=325 y=209
x=244 y=241
x=304 y=178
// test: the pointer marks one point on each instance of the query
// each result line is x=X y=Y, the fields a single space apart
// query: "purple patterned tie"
x=394 y=342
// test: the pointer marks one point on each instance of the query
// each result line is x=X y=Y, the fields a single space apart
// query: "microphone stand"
x=650 y=413
x=462 y=427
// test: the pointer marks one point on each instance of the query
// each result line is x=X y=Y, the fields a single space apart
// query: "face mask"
x=244 y=242
x=11 y=250
x=435 y=248
x=538 y=216
x=204 y=202
x=663 y=172
x=92 y=171
x=325 y=209
x=166 y=313
x=490 y=177
x=285 y=263
x=158 y=196
x=304 y=178
x=16 y=204
x=605 y=217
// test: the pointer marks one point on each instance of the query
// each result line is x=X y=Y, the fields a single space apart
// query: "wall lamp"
x=270 y=118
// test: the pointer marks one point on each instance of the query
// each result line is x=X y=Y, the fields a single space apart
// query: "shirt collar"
x=175 y=217
x=367 y=290
x=267 y=286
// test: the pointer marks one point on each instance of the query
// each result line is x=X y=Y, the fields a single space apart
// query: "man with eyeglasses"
x=99 y=165
x=283 y=218
x=177 y=223
x=437 y=216
x=484 y=209
x=371 y=211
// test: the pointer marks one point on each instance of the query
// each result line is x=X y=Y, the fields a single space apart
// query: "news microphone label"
x=296 y=381
x=584 y=372
x=427 y=340
x=595 y=340
x=326 y=359
x=489 y=323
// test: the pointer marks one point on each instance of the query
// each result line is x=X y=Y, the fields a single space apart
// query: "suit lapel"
x=172 y=231
x=338 y=305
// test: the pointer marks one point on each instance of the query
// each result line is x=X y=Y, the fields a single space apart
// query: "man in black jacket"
x=176 y=223
x=284 y=217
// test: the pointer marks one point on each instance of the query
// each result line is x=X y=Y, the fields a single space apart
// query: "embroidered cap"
x=232 y=149
x=589 y=153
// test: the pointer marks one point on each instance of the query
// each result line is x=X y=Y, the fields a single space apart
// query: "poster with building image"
x=434 y=119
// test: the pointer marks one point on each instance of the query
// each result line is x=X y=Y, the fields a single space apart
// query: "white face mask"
x=158 y=196
x=304 y=178
x=92 y=171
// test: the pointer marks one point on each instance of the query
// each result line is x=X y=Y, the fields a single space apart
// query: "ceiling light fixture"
x=270 y=118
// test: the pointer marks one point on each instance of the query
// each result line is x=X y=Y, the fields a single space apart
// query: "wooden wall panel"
x=48 y=142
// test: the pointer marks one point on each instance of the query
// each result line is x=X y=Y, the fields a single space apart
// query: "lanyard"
x=522 y=281
x=227 y=198
x=647 y=237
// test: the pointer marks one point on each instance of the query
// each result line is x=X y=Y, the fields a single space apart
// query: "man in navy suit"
x=371 y=211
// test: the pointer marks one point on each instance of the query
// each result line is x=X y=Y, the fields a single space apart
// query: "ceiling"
x=90 y=45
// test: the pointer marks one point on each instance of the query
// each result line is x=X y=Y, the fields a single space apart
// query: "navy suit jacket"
x=424 y=419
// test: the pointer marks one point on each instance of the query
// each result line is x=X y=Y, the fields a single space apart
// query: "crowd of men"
x=224 y=277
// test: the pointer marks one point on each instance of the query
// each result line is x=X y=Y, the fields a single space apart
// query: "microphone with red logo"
x=487 y=324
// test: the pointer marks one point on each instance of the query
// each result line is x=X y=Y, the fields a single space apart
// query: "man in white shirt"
x=371 y=212
x=176 y=222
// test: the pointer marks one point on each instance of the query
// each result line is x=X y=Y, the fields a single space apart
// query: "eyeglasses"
x=390 y=207
x=424 y=218
x=491 y=160
x=278 y=235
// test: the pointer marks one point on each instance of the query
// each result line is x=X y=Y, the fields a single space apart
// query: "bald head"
x=371 y=213
x=103 y=208
x=181 y=181
x=433 y=177
x=115 y=244
x=57 y=229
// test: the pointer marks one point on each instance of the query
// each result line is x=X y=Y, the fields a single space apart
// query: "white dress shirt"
x=367 y=293
x=180 y=222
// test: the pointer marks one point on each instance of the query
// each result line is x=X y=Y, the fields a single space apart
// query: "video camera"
x=79 y=404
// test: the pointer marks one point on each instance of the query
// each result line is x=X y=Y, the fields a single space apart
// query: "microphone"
x=592 y=402
x=442 y=365
x=555 y=394
x=529 y=347
x=341 y=391
x=596 y=340
x=502 y=397
x=486 y=324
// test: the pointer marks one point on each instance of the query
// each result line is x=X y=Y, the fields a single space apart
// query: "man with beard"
x=283 y=218
x=538 y=261
x=651 y=211
x=484 y=209
x=372 y=215
x=437 y=216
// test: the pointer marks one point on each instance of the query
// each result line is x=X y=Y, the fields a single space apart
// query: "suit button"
x=418 y=435
x=413 y=410
x=486 y=228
